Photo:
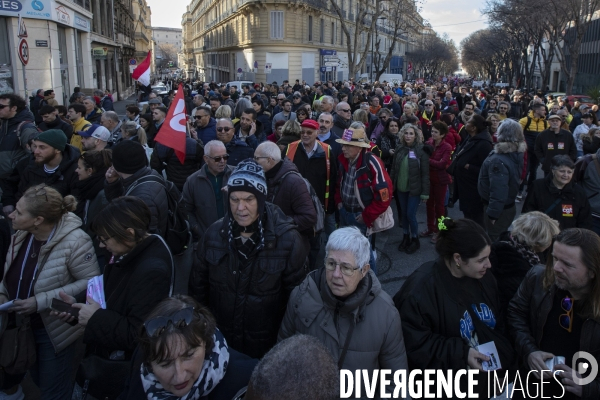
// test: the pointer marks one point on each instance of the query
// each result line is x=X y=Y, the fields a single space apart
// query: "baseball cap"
x=96 y=131
x=553 y=116
x=155 y=101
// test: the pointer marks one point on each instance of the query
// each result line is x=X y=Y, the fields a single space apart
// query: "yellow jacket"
x=81 y=125
x=536 y=124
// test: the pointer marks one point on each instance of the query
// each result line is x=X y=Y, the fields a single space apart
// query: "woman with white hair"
x=344 y=306
x=499 y=178
x=516 y=252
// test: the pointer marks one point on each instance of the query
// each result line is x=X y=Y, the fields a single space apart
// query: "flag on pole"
x=142 y=71
x=409 y=68
x=173 y=131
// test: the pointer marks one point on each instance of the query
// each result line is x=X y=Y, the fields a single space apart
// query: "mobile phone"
x=60 y=306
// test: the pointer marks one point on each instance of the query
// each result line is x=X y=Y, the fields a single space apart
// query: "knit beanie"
x=249 y=176
x=53 y=137
x=128 y=157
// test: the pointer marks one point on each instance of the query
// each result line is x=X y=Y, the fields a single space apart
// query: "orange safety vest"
x=291 y=153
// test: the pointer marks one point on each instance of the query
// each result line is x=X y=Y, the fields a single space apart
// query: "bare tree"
x=169 y=52
x=435 y=55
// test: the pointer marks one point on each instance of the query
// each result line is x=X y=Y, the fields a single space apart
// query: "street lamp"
x=373 y=54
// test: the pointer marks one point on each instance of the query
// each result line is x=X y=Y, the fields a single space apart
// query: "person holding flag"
x=142 y=74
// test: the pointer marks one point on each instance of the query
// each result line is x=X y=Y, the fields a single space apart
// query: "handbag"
x=17 y=349
x=383 y=222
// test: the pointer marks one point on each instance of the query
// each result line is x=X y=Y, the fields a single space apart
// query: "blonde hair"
x=316 y=106
x=535 y=229
x=223 y=111
x=44 y=201
x=360 y=116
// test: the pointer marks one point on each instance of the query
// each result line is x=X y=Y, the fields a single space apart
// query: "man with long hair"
x=556 y=313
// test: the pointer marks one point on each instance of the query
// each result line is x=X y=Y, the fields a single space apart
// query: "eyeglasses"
x=156 y=326
x=226 y=129
x=258 y=158
x=566 y=320
x=503 y=108
x=428 y=105
x=219 y=158
x=102 y=240
x=347 y=110
x=346 y=269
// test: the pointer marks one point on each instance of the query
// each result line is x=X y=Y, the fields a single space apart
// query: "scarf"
x=247 y=248
x=213 y=371
x=89 y=189
x=524 y=250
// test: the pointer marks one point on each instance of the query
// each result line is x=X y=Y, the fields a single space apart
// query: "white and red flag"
x=142 y=72
x=173 y=131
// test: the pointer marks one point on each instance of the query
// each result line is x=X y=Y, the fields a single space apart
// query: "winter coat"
x=376 y=340
x=579 y=131
x=427 y=124
x=67 y=262
x=95 y=116
x=591 y=146
x=35 y=105
x=569 y=206
x=292 y=197
x=107 y=104
x=238 y=151
x=133 y=286
x=500 y=176
x=280 y=117
x=200 y=201
x=209 y=132
x=152 y=193
x=386 y=142
x=433 y=316
x=13 y=145
x=438 y=162
x=528 y=313
x=591 y=185
x=249 y=303
x=418 y=169
x=549 y=144
x=509 y=268
x=64 y=180
x=340 y=125
x=532 y=128
x=58 y=124
x=164 y=158
x=372 y=182
x=265 y=119
x=395 y=108
x=473 y=151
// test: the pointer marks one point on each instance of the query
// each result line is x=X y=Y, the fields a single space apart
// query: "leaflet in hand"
x=489 y=349
x=95 y=290
x=6 y=306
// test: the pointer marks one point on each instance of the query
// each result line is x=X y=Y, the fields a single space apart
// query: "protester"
x=132 y=131
x=552 y=142
x=49 y=253
x=51 y=120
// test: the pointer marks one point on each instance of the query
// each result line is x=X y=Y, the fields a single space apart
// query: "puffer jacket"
x=292 y=196
x=200 y=201
x=64 y=180
x=373 y=183
x=569 y=206
x=67 y=262
x=418 y=169
x=438 y=162
x=249 y=303
x=209 y=132
x=499 y=177
x=133 y=286
x=532 y=128
x=368 y=315
x=164 y=158
x=153 y=194
x=12 y=145
x=528 y=313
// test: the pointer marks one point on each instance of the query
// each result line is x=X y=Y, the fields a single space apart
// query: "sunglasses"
x=219 y=158
x=156 y=326
x=226 y=129
x=199 y=116
x=348 y=110
x=566 y=320
x=3 y=105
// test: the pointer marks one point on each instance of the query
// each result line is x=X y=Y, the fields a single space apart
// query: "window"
x=276 y=24
x=310 y=28
x=322 y=31
x=333 y=33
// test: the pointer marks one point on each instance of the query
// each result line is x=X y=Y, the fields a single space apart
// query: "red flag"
x=142 y=72
x=173 y=131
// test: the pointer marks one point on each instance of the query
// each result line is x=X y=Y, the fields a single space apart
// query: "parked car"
x=582 y=98
x=160 y=90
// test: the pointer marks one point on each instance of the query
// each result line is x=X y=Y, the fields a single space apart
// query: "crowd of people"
x=252 y=259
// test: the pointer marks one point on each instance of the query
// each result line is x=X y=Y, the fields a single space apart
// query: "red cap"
x=387 y=100
x=453 y=103
x=309 y=123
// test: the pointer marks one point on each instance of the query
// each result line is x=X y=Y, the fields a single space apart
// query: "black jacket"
x=151 y=193
x=472 y=151
x=528 y=313
x=35 y=104
x=509 y=268
x=249 y=303
x=340 y=125
x=253 y=140
x=549 y=144
x=238 y=151
x=569 y=206
x=58 y=123
x=132 y=288
x=64 y=180
x=164 y=157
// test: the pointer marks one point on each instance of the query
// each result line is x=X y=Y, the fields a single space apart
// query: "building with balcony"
x=143 y=31
x=168 y=43
x=275 y=40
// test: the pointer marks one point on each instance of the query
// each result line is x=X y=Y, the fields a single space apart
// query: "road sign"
x=23 y=51
x=331 y=58
x=22 y=28
x=132 y=61
x=268 y=67
x=331 y=64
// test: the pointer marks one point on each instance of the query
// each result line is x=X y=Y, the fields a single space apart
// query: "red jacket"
x=452 y=137
x=374 y=185
x=438 y=163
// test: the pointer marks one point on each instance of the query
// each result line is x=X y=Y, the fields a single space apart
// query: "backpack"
x=320 y=224
x=178 y=234
x=581 y=166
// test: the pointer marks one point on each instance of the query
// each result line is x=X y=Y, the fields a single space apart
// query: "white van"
x=239 y=84
x=389 y=78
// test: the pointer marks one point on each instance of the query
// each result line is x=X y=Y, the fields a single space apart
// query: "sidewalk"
x=120 y=106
